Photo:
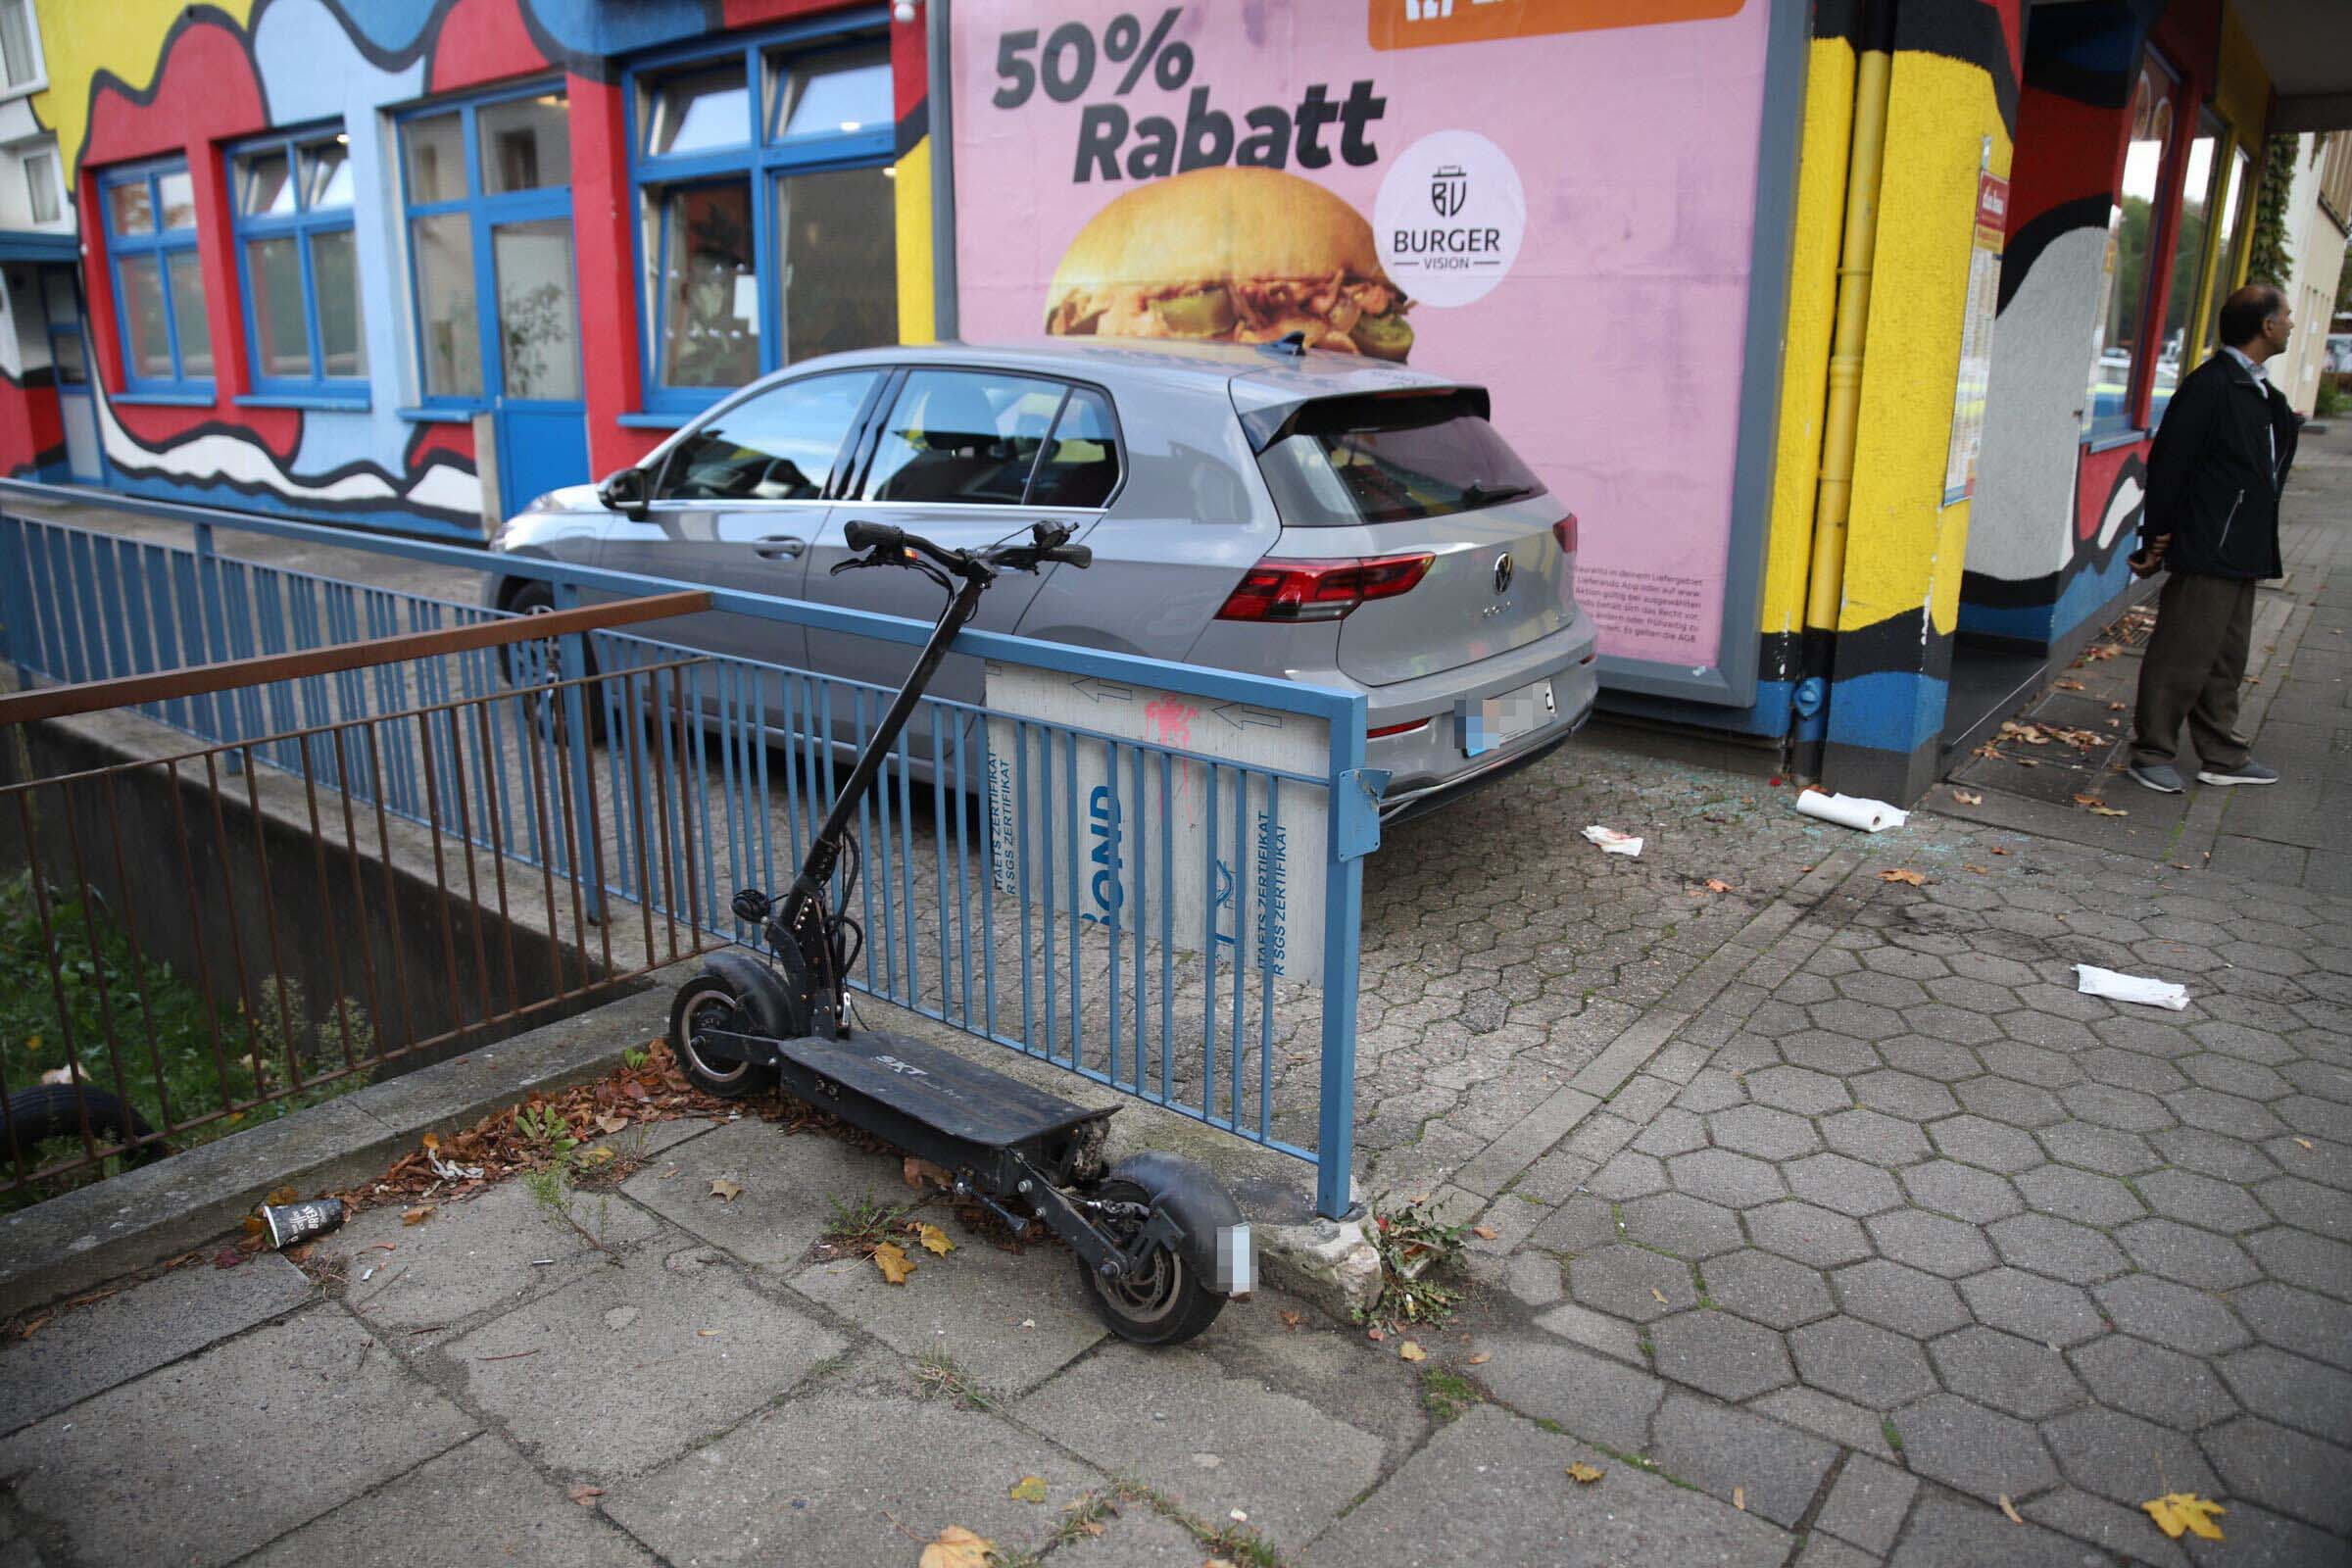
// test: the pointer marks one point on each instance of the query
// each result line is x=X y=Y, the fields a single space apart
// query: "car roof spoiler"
x=1271 y=410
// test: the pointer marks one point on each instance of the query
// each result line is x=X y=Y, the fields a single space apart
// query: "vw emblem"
x=1449 y=189
x=1503 y=574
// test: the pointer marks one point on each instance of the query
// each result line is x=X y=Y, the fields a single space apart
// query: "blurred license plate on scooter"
x=1495 y=720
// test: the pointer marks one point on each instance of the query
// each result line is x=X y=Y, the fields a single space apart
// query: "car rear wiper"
x=1478 y=495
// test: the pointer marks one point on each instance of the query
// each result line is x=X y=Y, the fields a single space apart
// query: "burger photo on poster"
x=1231 y=255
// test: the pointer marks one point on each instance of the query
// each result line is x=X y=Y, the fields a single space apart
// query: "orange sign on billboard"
x=1416 y=23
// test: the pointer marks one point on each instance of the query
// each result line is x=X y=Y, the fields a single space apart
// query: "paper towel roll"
x=1852 y=810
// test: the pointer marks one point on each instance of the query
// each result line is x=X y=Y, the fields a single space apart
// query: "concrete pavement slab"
x=206 y=1459
x=1775 y=1469
x=1597 y=1399
x=789 y=1182
x=1137 y=1539
x=1209 y=1441
x=1492 y=1490
x=844 y=1476
x=94 y=1347
x=481 y=1494
x=627 y=1367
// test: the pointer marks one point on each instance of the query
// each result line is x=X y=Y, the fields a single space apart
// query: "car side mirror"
x=626 y=493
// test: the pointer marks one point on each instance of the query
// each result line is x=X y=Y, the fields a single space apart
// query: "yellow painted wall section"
x=2241 y=90
x=918 y=321
x=1805 y=334
x=82 y=37
x=1903 y=547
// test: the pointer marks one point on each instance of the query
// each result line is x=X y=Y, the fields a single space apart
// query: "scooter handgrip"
x=868 y=535
x=1079 y=556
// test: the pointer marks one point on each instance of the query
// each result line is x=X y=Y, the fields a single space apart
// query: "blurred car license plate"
x=1495 y=720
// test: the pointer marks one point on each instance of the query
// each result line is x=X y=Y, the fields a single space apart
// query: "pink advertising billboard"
x=1555 y=199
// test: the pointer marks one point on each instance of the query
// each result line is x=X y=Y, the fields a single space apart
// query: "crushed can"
x=290 y=1223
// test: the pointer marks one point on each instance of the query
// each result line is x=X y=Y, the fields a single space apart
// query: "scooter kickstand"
x=1012 y=1222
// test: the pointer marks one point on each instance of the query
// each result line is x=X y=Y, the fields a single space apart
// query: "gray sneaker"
x=2248 y=771
x=2162 y=777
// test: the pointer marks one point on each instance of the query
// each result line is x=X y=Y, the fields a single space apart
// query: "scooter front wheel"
x=1165 y=1301
x=711 y=1001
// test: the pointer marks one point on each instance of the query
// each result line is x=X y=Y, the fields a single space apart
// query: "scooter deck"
x=938 y=1088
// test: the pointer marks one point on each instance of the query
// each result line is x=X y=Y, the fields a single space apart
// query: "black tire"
x=48 y=1111
x=1167 y=1303
x=710 y=998
x=539 y=598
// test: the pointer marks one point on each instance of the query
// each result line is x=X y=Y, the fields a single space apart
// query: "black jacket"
x=2213 y=483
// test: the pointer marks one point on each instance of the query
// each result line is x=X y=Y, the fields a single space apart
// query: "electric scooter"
x=1161 y=1243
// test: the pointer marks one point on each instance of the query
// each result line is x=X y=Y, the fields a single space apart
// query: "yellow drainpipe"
x=1826 y=582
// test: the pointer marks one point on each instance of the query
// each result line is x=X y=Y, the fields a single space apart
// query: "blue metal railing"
x=1026 y=879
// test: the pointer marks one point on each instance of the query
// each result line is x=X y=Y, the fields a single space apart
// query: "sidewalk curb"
x=94 y=1234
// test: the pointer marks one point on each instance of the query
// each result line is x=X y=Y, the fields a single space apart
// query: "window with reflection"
x=2235 y=215
x=2197 y=197
x=2122 y=343
x=150 y=217
x=762 y=178
x=292 y=199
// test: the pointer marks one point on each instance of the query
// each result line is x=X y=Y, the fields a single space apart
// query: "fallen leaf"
x=2117 y=708
x=585 y=1495
x=1583 y=1474
x=1905 y=875
x=1980 y=871
x=2303 y=1142
x=1482 y=1358
x=227 y=1257
x=417 y=1215
x=1968 y=797
x=2105 y=810
x=2009 y=1510
x=612 y=1124
x=1375 y=1334
x=725 y=1191
x=2001 y=852
x=2067 y=685
x=706 y=1334
x=1716 y=884
x=958 y=1547
x=1660 y=1294
x=1029 y=1489
x=935 y=1240
x=2024 y=761
x=1292 y=1320
x=2177 y=1511
x=893 y=1262
x=432 y=1142
x=1485 y=1233
x=283 y=1195
x=921 y=1172
x=1739 y=1499
x=1410 y=1352
x=1213 y=1562
x=2087 y=799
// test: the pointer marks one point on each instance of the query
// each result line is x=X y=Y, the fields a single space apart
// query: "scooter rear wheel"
x=711 y=1001
x=1165 y=1301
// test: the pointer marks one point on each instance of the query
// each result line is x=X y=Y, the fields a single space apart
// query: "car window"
x=1390 y=460
x=964 y=436
x=1081 y=463
x=778 y=445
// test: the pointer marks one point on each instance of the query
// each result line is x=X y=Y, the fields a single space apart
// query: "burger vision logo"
x=1450 y=217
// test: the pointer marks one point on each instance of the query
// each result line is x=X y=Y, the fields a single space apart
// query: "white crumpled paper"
x=1612 y=841
x=2094 y=981
x=1852 y=810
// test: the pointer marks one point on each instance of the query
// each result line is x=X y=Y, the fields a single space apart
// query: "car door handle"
x=779 y=546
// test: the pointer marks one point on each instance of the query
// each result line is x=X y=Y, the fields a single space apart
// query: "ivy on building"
x=2267 y=260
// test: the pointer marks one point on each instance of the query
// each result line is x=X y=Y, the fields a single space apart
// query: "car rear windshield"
x=1348 y=460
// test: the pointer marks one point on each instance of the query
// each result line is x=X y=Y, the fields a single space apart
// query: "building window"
x=297 y=260
x=2121 y=342
x=20 y=48
x=150 y=216
x=763 y=182
x=2199 y=193
x=41 y=189
x=2235 y=216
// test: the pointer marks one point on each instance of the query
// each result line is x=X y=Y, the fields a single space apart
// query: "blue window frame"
x=761 y=171
x=298 y=265
x=150 y=215
x=486 y=189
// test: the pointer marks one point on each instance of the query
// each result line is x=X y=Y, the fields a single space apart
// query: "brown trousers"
x=2193 y=666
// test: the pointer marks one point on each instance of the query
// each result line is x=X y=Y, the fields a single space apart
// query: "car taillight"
x=1320 y=590
x=1564 y=531
x=1396 y=729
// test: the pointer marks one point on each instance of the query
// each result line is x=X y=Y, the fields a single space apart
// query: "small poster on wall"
x=1976 y=336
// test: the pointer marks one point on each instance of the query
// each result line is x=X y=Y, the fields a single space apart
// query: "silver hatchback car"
x=1319 y=517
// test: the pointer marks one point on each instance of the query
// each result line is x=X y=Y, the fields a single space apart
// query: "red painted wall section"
x=431 y=440
x=31 y=425
x=909 y=67
x=482 y=41
x=607 y=270
x=750 y=13
x=2094 y=481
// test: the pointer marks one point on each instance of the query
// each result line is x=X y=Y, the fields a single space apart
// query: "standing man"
x=2218 y=463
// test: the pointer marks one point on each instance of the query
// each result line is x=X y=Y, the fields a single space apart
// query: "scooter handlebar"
x=1079 y=556
x=870 y=536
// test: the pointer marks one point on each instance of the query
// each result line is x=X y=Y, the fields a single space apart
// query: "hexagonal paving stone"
x=2246 y=1079
x=2125 y=1110
x=1885 y=989
x=2028 y=1063
x=1820 y=1051
x=1677 y=1223
x=2078 y=1194
x=2172 y=1314
x=1619 y=1280
x=1797 y=1089
x=1903 y=1093
x=1724 y=1355
x=2004 y=1100
x=1874 y=1368
x=1627 y=1175
x=1720 y=1176
x=1960 y=1191
x=2018 y=1376
x=2180 y=1391
x=1770 y=1290
x=2215 y=1154
x=2188 y=1255
x=1992 y=968
x=2292 y=1392
x=2299 y=1258
x=2099 y=1148
x=2047 y=1244
x=1975 y=996
x=2114 y=1455
x=1859 y=1020
x=2128 y=1069
x=1901 y=960
x=1763 y=1132
x=1940 y=1245
x=2296 y=1474
x=1938 y=1060
x=1940 y=1021
x=1967 y=1447
x=1874 y=1135
x=2307 y=1206
x=2201 y=1201
x=1991 y=1144
x=2035 y=1308
x=1896 y=1296
x=1806 y=1233
x=1848 y=1186
x=2227 y=1114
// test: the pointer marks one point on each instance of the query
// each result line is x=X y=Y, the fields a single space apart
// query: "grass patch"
x=937 y=1376
x=1894 y=1438
x=859 y=1226
x=1446 y=1394
x=1419 y=1255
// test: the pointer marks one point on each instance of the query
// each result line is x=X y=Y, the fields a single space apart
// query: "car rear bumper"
x=1427 y=762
